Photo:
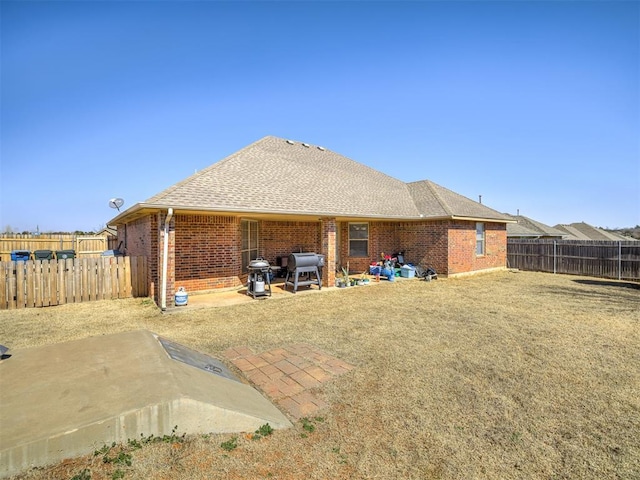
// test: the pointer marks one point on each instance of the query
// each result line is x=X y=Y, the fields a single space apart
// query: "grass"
x=506 y=375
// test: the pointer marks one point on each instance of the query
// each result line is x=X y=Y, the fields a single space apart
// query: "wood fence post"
x=4 y=277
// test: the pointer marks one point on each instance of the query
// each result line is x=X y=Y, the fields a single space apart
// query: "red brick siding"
x=462 y=247
x=207 y=247
x=496 y=246
x=208 y=251
x=328 y=238
x=279 y=239
x=423 y=243
x=447 y=246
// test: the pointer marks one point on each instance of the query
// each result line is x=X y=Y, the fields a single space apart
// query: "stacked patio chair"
x=427 y=273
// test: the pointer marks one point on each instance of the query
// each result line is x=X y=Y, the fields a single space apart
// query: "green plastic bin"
x=64 y=254
x=43 y=255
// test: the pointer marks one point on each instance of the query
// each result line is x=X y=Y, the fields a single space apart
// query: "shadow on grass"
x=609 y=283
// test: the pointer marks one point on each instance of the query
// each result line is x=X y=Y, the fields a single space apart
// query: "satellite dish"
x=116 y=203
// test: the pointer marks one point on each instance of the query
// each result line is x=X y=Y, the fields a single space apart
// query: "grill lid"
x=258 y=263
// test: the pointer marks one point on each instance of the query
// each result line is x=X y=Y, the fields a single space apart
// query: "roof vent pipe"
x=165 y=260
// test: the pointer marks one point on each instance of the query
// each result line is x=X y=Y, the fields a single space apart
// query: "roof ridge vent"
x=291 y=142
x=321 y=148
x=305 y=145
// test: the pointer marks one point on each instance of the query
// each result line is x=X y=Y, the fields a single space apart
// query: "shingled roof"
x=584 y=231
x=279 y=176
x=527 y=227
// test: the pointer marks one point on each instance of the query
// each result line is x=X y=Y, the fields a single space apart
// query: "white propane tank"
x=259 y=285
x=181 y=297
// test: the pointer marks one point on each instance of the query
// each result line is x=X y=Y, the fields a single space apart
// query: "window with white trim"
x=480 y=238
x=358 y=239
x=249 y=248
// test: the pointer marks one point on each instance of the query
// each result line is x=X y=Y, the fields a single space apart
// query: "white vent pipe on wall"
x=165 y=260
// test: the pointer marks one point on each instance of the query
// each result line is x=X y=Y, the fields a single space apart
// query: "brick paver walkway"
x=287 y=374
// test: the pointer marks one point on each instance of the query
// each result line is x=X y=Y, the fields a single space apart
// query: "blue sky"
x=533 y=105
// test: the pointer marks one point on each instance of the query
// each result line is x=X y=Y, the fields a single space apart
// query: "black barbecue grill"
x=308 y=265
x=258 y=282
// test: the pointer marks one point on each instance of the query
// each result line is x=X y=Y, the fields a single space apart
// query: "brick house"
x=277 y=196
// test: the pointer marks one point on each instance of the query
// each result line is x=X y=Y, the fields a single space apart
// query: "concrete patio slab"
x=69 y=399
x=237 y=296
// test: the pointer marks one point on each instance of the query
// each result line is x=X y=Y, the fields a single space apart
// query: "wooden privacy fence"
x=604 y=259
x=83 y=245
x=43 y=283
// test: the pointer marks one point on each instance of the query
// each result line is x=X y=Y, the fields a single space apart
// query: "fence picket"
x=84 y=274
x=30 y=284
x=91 y=273
x=69 y=271
x=53 y=286
x=46 y=283
x=4 y=267
x=138 y=276
x=124 y=278
x=99 y=267
x=62 y=284
x=106 y=272
x=36 y=267
x=143 y=279
x=134 y=272
x=113 y=274
x=20 y=284
x=11 y=285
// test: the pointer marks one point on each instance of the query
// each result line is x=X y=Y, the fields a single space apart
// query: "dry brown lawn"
x=497 y=376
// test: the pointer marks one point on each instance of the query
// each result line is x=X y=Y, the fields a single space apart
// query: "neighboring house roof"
x=278 y=176
x=584 y=231
x=109 y=231
x=527 y=227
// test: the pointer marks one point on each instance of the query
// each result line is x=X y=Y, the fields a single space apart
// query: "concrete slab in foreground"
x=69 y=399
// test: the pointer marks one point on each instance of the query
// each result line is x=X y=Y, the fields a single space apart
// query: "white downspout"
x=165 y=260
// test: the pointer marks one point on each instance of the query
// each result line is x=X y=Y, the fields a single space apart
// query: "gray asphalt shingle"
x=527 y=227
x=276 y=175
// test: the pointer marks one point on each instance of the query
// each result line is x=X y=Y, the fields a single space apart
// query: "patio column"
x=328 y=228
x=171 y=259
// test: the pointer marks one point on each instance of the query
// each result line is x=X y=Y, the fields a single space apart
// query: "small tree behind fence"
x=43 y=283
x=604 y=259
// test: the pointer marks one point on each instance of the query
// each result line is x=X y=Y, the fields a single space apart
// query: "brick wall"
x=462 y=247
x=423 y=243
x=496 y=246
x=328 y=237
x=205 y=253
x=208 y=252
x=279 y=239
x=447 y=246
